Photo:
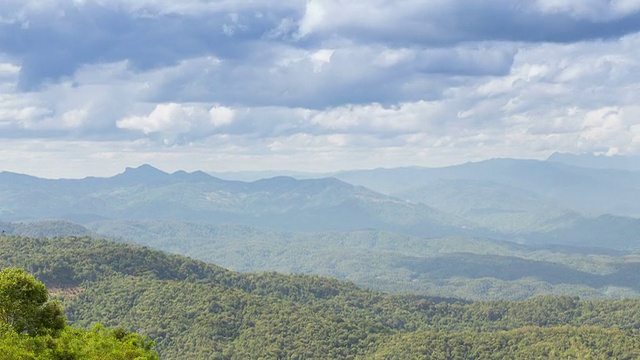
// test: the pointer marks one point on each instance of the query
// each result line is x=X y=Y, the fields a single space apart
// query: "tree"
x=25 y=305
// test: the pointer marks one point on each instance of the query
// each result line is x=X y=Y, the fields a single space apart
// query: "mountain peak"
x=144 y=169
x=196 y=176
x=144 y=173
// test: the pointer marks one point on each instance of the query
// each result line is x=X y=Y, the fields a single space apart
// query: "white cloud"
x=9 y=70
x=314 y=17
x=168 y=118
x=320 y=58
x=376 y=119
x=598 y=10
x=221 y=115
x=347 y=83
x=75 y=118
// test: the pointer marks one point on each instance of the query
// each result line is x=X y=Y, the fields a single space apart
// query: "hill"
x=471 y=268
x=199 y=311
x=526 y=201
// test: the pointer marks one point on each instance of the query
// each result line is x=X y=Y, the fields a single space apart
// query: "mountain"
x=588 y=191
x=616 y=232
x=525 y=199
x=146 y=193
x=619 y=162
x=196 y=310
x=503 y=208
x=258 y=175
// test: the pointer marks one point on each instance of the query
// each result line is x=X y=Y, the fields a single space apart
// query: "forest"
x=33 y=327
x=195 y=310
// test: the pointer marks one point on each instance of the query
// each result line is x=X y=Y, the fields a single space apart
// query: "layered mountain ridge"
x=146 y=193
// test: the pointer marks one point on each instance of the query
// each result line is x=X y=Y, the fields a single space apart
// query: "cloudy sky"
x=88 y=87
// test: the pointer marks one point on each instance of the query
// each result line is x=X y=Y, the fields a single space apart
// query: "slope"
x=200 y=311
x=472 y=268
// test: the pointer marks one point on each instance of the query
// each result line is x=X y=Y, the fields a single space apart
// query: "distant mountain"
x=619 y=162
x=615 y=232
x=146 y=193
x=258 y=175
x=565 y=187
x=496 y=206
x=518 y=200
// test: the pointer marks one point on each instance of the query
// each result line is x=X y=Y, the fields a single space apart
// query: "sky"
x=89 y=87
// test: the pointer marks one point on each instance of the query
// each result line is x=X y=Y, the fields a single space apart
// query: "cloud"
x=446 y=22
x=351 y=83
x=62 y=36
x=52 y=39
x=285 y=76
x=166 y=118
x=178 y=122
x=593 y=10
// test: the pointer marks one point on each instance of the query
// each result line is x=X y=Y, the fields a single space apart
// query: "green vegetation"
x=95 y=344
x=25 y=305
x=563 y=342
x=469 y=268
x=32 y=327
x=200 y=311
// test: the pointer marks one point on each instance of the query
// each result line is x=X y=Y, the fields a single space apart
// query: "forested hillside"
x=470 y=268
x=200 y=311
x=32 y=326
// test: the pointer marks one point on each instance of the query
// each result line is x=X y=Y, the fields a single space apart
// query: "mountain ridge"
x=280 y=202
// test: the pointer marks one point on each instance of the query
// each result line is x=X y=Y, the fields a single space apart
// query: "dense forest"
x=196 y=310
x=461 y=267
x=34 y=327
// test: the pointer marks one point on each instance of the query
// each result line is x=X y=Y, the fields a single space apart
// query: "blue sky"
x=88 y=87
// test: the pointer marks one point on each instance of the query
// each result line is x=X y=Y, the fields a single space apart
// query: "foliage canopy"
x=196 y=310
x=32 y=327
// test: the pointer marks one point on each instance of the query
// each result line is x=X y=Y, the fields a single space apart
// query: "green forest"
x=455 y=266
x=195 y=310
x=33 y=327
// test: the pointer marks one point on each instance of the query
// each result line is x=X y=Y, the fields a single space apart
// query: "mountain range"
x=146 y=193
x=454 y=231
x=502 y=198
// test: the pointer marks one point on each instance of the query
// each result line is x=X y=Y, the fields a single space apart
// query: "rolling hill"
x=201 y=311
x=471 y=268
